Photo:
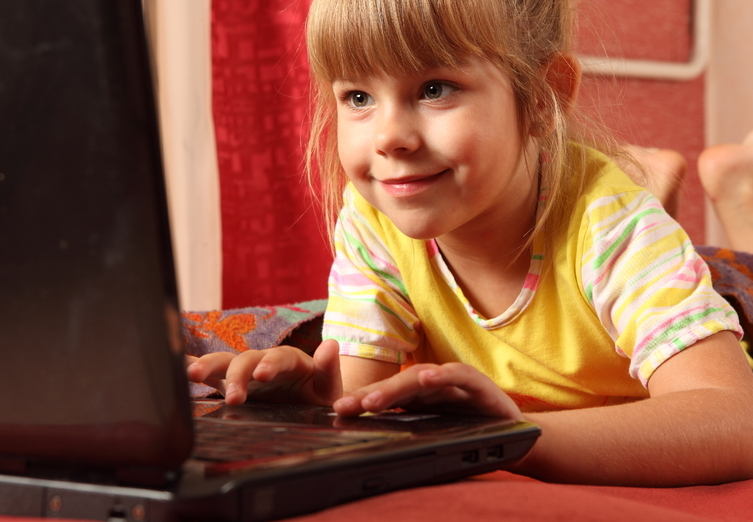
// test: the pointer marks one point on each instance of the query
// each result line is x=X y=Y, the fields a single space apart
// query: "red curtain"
x=273 y=246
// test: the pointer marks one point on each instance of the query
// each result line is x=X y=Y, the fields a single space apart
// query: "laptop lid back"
x=92 y=369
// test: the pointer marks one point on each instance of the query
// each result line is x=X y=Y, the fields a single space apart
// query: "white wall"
x=729 y=85
x=180 y=34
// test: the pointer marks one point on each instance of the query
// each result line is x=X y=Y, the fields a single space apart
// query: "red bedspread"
x=503 y=496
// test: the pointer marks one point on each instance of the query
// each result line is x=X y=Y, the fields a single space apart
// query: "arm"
x=694 y=429
x=358 y=372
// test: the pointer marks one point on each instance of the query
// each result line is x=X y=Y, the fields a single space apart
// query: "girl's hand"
x=451 y=387
x=282 y=374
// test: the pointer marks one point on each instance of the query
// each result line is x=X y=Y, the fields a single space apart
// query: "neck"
x=503 y=234
x=490 y=256
x=490 y=263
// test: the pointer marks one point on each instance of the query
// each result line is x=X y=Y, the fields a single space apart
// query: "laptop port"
x=495 y=453
x=470 y=457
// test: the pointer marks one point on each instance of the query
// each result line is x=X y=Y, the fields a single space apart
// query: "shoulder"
x=619 y=231
x=611 y=203
x=598 y=193
x=608 y=186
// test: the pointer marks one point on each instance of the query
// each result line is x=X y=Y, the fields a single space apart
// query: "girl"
x=514 y=271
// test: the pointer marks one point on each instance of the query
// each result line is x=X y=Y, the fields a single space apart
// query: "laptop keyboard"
x=222 y=441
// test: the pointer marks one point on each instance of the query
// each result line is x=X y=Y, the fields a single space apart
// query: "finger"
x=212 y=365
x=239 y=374
x=472 y=386
x=384 y=394
x=397 y=390
x=209 y=369
x=279 y=361
x=454 y=374
x=351 y=405
x=327 y=378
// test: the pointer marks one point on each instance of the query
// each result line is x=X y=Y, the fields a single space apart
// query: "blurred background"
x=232 y=82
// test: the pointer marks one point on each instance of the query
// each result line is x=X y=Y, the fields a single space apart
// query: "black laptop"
x=95 y=417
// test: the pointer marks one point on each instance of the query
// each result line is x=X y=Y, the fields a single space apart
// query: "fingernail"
x=344 y=402
x=372 y=399
x=230 y=389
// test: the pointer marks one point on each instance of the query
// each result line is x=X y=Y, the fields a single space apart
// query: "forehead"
x=350 y=39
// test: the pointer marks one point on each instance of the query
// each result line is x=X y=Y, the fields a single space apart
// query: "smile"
x=410 y=186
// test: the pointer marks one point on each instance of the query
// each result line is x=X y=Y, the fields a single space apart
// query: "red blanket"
x=502 y=496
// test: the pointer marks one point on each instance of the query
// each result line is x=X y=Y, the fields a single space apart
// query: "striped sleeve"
x=650 y=289
x=369 y=312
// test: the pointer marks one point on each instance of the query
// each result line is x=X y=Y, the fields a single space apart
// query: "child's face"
x=437 y=152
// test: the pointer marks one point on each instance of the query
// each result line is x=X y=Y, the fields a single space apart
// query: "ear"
x=562 y=74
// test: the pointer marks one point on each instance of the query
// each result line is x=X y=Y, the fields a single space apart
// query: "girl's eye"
x=360 y=99
x=437 y=90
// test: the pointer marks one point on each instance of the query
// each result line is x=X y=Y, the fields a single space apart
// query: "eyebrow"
x=459 y=67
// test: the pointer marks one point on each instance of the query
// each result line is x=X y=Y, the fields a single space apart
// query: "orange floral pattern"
x=230 y=330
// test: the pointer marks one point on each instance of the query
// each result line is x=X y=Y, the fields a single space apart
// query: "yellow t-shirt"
x=624 y=292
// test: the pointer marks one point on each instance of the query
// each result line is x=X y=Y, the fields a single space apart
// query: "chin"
x=418 y=231
x=418 y=223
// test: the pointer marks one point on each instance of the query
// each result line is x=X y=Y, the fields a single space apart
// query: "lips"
x=410 y=185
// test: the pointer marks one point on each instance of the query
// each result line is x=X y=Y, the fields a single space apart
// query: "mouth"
x=410 y=185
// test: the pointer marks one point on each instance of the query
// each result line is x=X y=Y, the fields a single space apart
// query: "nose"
x=397 y=131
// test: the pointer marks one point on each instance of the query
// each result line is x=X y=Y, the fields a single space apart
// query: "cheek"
x=464 y=144
x=497 y=138
x=487 y=152
x=469 y=136
x=352 y=148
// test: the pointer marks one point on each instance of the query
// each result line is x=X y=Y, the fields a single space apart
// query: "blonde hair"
x=351 y=39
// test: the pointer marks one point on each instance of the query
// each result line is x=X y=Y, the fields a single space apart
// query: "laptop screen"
x=89 y=310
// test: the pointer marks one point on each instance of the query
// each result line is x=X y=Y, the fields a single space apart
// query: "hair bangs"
x=354 y=39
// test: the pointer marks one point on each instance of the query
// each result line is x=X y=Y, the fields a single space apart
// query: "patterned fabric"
x=244 y=329
x=628 y=279
x=732 y=273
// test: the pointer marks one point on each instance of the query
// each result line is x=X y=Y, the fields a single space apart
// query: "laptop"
x=96 y=421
